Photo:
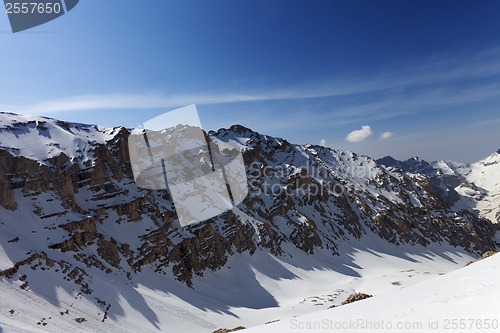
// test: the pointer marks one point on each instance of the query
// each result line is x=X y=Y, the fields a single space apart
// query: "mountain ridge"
x=71 y=213
x=472 y=186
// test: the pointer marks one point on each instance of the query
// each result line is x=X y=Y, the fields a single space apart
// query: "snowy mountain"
x=98 y=253
x=442 y=183
x=475 y=187
x=484 y=176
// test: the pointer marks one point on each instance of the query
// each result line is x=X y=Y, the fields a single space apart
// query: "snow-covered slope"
x=41 y=138
x=485 y=175
x=479 y=184
x=451 y=167
x=250 y=291
x=466 y=300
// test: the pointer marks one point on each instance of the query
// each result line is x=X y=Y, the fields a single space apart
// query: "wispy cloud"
x=135 y=101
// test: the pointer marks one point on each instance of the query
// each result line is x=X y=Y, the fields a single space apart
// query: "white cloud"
x=386 y=135
x=360 y=135
x=322 y=143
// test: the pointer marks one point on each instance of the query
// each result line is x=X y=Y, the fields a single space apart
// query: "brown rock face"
x=81 y=233
x=6 y=195
x=228 y=330
x=108 y=251
x=356 y=297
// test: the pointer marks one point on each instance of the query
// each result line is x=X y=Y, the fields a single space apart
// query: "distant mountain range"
x=475 y=186
x=73 y=221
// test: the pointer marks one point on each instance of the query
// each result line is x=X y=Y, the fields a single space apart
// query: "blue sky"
x=412 y=78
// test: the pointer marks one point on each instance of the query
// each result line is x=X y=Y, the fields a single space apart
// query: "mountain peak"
x=240 y=128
